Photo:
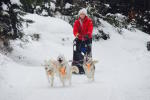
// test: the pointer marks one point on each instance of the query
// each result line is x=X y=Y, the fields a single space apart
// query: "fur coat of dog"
x=61 y=68
x=89 y=67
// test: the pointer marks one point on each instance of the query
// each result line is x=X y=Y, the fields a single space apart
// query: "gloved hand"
x=88 y=40
x=77 y=35
x=86 y=37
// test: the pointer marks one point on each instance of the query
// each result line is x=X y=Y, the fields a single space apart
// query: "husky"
x=89 y=67
x=60 y=68
x=51 y=70
x=65 y=70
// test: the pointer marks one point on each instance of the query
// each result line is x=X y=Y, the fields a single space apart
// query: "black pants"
x=84 y=46
x=81 y=48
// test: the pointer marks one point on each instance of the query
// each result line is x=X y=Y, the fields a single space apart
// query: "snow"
x=44 y=12
x=46 y=5
x=52 y=6
x=121 y=74
x=38 y=7
x=107 y=5
x=145 y=20
x=4 y=6
x=15 y=2
x=118 y=16
x=68 y=5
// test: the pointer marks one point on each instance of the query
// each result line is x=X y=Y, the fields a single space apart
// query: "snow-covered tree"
x=10 y=20
x=40 y=7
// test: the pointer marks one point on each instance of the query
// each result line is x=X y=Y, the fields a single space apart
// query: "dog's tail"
x=74 y=69
x=95 y=61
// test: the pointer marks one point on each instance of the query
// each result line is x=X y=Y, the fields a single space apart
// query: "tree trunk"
x=61 y=3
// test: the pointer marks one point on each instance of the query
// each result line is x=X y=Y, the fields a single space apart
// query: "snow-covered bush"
x=101 y=35
x=40 y=7
x=118 y=21
x=35 y=36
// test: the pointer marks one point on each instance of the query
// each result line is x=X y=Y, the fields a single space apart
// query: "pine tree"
x=10 y=20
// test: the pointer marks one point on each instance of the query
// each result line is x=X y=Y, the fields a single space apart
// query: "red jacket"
x=82 y=30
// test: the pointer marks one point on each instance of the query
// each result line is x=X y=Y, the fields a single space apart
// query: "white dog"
x=61 y=68
x=89 y=67
x=51 y=70
x=65 y=71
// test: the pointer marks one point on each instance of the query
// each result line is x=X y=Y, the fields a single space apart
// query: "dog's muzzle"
x=60 y=60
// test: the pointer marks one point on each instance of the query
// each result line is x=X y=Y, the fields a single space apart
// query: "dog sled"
x=79 y=51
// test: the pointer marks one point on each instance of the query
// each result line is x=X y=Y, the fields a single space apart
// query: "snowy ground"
x=123 y=71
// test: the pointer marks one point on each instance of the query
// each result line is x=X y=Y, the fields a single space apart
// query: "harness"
x=88 y=66
x=62 y=70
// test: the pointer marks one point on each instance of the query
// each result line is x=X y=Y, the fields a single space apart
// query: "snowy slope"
x=51 y=31
x=121 y=74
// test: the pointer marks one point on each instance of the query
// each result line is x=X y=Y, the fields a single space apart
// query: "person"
x=82 y=30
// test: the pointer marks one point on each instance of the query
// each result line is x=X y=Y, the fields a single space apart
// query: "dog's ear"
x=95 y=61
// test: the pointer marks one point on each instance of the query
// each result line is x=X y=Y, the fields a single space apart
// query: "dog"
x=65 y=70
x=51 y=70
x=89 y=67
x=61 y=68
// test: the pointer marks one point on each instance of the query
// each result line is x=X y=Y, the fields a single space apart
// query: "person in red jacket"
x=82 y=30
x=83 y=26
